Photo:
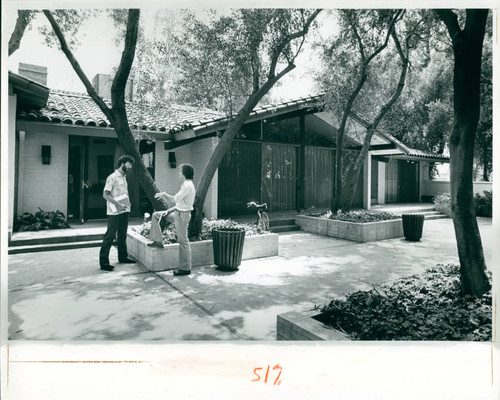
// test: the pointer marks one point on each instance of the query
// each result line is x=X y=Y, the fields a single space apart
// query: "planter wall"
x=301 y=326
x=367 y=232
x=156 y=259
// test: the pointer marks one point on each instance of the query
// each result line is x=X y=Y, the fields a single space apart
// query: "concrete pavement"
x=62 y=295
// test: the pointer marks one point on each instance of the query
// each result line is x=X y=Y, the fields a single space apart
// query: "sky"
x=99 y=54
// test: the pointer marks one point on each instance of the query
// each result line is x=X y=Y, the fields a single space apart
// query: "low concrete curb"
x=366 y=232
x=301 y=326
x=156 y=259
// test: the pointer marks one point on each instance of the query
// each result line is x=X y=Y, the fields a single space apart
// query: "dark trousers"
x=117 y=226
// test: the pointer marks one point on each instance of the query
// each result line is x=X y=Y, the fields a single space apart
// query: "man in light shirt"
x=117 y=208
x=180 y=214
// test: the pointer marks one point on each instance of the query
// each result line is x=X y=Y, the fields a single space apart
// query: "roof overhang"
x=29 y=92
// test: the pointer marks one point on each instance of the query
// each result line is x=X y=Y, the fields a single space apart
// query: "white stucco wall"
x=197 y=154
x=431 y=188
x=43 y=186
x=11 y=158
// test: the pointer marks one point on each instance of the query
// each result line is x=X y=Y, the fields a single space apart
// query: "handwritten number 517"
x=276 y=381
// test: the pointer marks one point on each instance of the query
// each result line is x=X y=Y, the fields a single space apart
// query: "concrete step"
x=55 y=240
x=284 y=228
x=281 y=222
x=53 y=246
x=435 y=216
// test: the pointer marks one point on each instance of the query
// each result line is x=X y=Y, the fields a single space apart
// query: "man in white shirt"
x=117 y=208
x=180 y=214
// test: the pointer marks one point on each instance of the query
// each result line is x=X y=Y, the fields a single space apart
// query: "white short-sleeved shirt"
x=184 y=198
x=116 y=184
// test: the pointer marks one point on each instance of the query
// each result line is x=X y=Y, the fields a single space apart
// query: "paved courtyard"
x=62 y=295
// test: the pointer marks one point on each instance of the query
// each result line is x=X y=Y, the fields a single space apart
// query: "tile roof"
x=80 y=109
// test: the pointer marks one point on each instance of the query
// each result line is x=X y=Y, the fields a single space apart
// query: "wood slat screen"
x=239 y=178
x=319 y=177
x=391 y=182
x=279 y=172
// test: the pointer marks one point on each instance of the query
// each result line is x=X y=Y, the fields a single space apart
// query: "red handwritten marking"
x=255 y=372
x=277 y=381
x=267 y=374
x=277 y=366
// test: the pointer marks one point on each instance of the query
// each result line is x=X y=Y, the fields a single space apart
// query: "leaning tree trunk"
x=224 y=145
x=354 y=172
x=117 y=115
x=467 y=47
x=129 y=145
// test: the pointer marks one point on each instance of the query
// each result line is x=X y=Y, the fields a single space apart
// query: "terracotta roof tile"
x=80 y=109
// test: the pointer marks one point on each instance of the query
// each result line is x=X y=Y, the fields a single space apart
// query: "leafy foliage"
x=169 y=235
x=359 y=216
x=483 y=204
x=227 y=56
x=442 y=198
x=41 y=220
x=428 y=306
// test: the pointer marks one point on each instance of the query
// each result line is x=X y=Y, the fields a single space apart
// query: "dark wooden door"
x=408 y=181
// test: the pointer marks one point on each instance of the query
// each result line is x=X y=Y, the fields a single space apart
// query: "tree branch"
x=120 y=80
x=288 y=39
x=23 y=19
x=389 y=32
x=450 y=19
x=77 y=68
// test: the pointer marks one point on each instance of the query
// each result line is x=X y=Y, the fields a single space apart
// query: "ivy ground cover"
x=428 y=306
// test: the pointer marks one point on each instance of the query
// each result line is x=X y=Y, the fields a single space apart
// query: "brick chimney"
x=36 y=73
x=102 y=84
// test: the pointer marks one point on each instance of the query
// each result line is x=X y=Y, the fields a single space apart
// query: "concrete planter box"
x=156 y=259
x=366 y=232
x=301 y=326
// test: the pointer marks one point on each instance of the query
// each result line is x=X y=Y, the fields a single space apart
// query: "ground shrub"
x=41 y=220
x=442 y=198
x=428 y=306
x=484 y=204
x=359 y=216
x=169 y=235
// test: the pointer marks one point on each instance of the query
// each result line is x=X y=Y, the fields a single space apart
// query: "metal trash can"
x=228 y=247
x=412 y=226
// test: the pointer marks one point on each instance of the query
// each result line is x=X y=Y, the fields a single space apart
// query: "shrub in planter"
x=359 y=216
x=169 y=235
x=483 y=204
x=428 y=306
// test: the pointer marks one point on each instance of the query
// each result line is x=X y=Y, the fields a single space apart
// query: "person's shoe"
x=107 y=267
x=127 y=261
x=156 y=244
x=179 y=272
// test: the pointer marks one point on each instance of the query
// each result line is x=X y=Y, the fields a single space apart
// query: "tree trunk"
x=117 y=115
x=129 y=145
x=467 y=47
x=223 y=146
x=354 y=172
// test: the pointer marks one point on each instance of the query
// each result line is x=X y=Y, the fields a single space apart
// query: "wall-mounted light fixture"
x=46 y=154
x=171 y=159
